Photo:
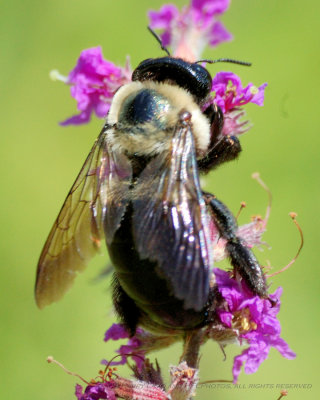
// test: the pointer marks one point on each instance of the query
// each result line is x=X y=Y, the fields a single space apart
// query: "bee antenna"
x=228 y=60
x=158 y=39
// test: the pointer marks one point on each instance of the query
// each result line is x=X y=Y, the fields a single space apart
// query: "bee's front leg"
x=222 y=148
x=242 y=258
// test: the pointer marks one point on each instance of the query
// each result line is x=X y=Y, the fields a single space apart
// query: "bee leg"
x=227 y=148
x=215 y=116
x=242 y=258
x=222 y=148
x=125 y=307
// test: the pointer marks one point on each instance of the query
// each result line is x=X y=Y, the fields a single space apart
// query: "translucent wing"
x=170 y=224
x=77 y=232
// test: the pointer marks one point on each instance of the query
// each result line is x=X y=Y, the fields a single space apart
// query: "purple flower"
x=137 y=346
x=116 y=332
x=229 y=93
x=163 y=19
x=254 y=320
x=233 y=123
x=96 y=391
x=230 y=96
x=189 y=31
x=131 y=349
x=94 y=81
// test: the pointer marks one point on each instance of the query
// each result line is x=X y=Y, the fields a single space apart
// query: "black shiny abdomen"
x=150 y=292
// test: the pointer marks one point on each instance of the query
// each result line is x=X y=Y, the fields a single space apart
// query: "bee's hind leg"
x=125 y=307
x=242 y=258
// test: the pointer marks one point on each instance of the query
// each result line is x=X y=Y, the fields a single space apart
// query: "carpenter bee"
x=139 y=189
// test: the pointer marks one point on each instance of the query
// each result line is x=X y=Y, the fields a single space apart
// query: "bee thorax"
x=144 y=116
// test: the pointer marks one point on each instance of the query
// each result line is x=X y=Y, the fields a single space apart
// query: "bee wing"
x=171 y=225
x=79 y=228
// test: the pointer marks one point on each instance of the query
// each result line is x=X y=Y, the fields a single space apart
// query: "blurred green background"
x=40 y=161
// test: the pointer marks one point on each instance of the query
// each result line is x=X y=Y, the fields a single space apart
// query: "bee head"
x=190 y=76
